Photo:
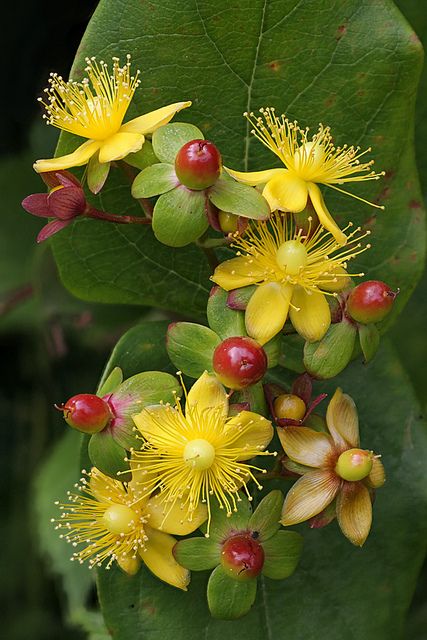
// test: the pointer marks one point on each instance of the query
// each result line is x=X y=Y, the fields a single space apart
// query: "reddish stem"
x=111 y=217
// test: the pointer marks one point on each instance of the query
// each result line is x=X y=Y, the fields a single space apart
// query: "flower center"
x=354 y=464
x=119 y=519
x=292 y=256
x=308 y=160
x=199 y=454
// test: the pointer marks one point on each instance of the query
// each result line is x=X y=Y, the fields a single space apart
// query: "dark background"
x=53 y=346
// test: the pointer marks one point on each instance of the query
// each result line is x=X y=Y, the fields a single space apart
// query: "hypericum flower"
x=194 y=455
x=65 y=202
x=114 y=523
x=334 y=468
x=293 y=272
x=308 y=162
x=94 y=109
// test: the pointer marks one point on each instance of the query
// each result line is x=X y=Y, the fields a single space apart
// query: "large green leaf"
x=353 y=65
x=336 y=587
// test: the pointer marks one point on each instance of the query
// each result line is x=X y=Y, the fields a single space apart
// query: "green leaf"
x=142 y=348
x=224 y=321
x=229 y=195
x=155 y=179
x=197 y=554
x=229 y=599
x=168 y=140
x=106 y=454
x=179 y=217
x=143 y=158
x=369 y=338
x=254 y=396
x=282 y=554
x=190 y=347
x=265 y=518
x=113 y=380
x=328 y=357
x=273 y=349
x=97 y=173
x=58 y=475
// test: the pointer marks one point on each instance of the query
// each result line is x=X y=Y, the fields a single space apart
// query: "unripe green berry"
x=288 y=406
x=354 y=464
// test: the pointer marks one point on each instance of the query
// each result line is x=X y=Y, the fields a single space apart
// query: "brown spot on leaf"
x=331 y=100
x=388 y=175
x=415 y=204
x=274 y=65
x=341 y=31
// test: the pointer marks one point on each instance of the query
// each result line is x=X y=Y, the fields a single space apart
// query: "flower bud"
x=242 y=557
x=198 y=164
x=370 y=301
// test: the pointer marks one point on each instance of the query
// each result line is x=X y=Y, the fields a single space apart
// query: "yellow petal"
x=323 y=214
x=80 y=156
x=252 y=178
x=342 y=420
x=267 y=311
x=170 y=519
x=306 y=446
x=206 y=393
x=104 y=488
x=354 y=512
x=119 y=146
x=309 y=496
x=286 y=192
x=376 y=478
x=129 y=564
x=248 y=430
x=158 y=557
x=310 y=314
x=151 y=420
x=237 y=272
x=151 y=121
x=336 y=281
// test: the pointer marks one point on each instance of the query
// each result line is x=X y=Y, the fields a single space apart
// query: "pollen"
x=95 y=107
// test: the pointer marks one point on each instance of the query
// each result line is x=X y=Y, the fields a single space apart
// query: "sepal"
x=190 y=346
x=169 y=139
x=330 y=355
x=229 y=599
x=242 y=200
x=179 y=217
x=369 y=339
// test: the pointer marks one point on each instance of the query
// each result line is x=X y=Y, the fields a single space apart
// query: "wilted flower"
x=334 y=468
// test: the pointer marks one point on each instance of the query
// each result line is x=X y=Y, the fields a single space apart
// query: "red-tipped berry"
x=242 y=557
x=239 y=362
x=354 y=464
x=198 y=164
x=370 y=301
x=86 y=412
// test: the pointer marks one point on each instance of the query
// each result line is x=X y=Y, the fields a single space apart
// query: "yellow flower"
x=94 y=109
x=115 y=523
x=308 y=162
x=193 y=455
x=336 y=469
x=293 y=272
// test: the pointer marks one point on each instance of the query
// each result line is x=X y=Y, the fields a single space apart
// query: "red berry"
x=198 y=164
x=242 y=557
x=239 y=362
x=87 y=412
x=370 y=301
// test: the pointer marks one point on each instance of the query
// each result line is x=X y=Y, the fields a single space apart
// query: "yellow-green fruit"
x=120 y=519
x=199 y=454
x=290 y=407
x=292 y=257
x=354 y=464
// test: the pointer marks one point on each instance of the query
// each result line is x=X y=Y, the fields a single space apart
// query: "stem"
x=15 y=297
x=111 y=217
x=212 y=243
x=211 y=257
